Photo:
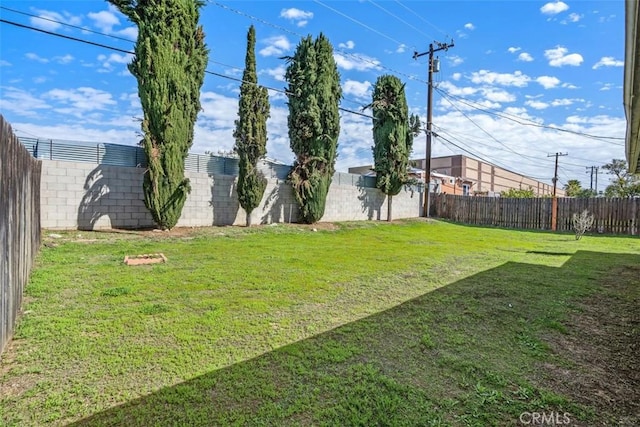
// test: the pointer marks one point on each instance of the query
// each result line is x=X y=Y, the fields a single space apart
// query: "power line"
x=65 y=24
x=374 y=64
x=484 y=131
x=400 y=19
x=66 y=37
x=421 y=18
x=133 y=53
x=359 y=23
x=531 y=123
x=486 y=160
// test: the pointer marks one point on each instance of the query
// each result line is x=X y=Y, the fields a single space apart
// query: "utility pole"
x=554 y=200
x=594 y=171
x=427 y=168
x=591 y=183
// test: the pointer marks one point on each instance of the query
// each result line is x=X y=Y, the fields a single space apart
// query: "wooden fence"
x=612 y=216
x=19 y=225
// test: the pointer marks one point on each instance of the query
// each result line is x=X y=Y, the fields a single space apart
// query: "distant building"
x=463 y=175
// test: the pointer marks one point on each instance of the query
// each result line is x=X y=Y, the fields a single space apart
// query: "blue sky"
x=517 y=70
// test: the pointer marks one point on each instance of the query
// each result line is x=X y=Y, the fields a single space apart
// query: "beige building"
x=477 y=177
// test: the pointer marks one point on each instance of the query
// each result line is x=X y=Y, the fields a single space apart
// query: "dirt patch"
x=603 y=344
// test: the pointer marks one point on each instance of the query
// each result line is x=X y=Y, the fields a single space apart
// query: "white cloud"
x=517 y=79
x=129 y=33
x=402 y=48
x=553 y=8
x=32 y=56
x=495 y=95
x=63 y=59
x=525 y=57
x=356 y=62
x=21 y=102
x=608 y=61
x=548 y=82
x=559 y=57
x=46 y=19
x=218 y=111
x=294 y=13
x=573 y=17
x=4 y=63
x=455 y=60
x=348 y=45
x=538 y=105
x=107 y=62
x=300 y=17
x=276 y=46
x=452 y=89
x=456 y=76
x=569 y=86
x=81 y=100
x=277 y=73
x=357 y=89
x=469 y=26
x=105 y=20
x=563 y=102
x=514 y=49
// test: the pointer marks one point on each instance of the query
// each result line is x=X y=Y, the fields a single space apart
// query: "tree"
x=314 y=94
x=169 y=64
x=623 y=183
x=573 y=188
x=393 y=132
x=251 y=132
x=518 y=193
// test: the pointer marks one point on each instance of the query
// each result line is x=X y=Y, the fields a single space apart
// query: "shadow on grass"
x=470 y=353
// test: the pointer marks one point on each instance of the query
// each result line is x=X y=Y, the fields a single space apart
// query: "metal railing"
x=132 y=156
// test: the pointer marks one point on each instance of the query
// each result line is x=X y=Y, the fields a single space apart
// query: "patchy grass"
x=412 y=323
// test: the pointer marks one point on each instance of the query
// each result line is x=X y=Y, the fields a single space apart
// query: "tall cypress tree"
x=169 y=64
x=251 y=132
x=393 y=132
x=314 y=94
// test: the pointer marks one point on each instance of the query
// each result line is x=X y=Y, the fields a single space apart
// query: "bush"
x=582 y=222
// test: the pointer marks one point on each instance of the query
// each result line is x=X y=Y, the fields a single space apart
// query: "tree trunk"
x=389 y=198
x=248 y=219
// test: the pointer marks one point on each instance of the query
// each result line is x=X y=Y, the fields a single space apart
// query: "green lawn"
x=411 y=323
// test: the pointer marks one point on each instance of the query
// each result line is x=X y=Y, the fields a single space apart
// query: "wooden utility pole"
x=427 y=167
x=554 y=200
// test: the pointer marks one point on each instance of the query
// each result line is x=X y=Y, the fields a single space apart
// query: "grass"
x=414 y=323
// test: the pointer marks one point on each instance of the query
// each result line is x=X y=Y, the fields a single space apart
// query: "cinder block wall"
x=89 y=196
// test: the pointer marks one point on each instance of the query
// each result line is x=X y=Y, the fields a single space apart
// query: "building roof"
x=632 y=85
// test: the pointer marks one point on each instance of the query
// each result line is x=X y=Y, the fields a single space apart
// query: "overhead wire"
x=519 y=121
x=400 y=19
x=380 y=33
x=44 y=18
x=442 y=92
x=484 y=131
x=482 y=157
x=133 y=53
x=421 y=18
x=374 y=63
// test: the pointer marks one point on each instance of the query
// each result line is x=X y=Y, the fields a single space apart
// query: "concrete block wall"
x=89 y=196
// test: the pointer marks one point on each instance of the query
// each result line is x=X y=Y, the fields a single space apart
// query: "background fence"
x=132 y=156
x=612 y=216
x=19 y=225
